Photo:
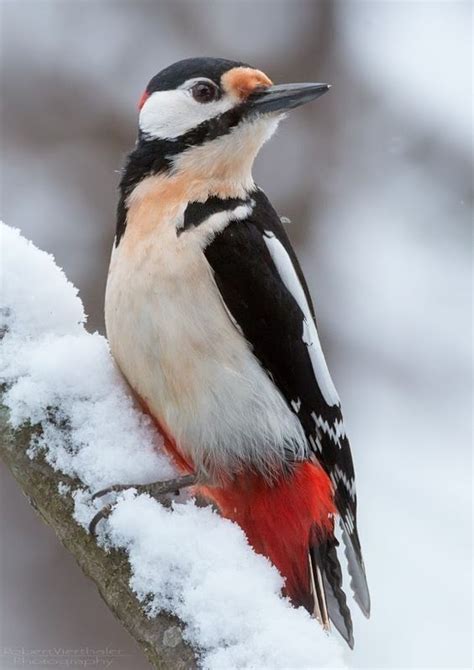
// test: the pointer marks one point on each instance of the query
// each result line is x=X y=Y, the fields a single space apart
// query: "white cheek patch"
x=289 y=277
x=166 y=115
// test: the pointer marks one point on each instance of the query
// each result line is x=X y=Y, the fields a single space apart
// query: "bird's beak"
x=282 y=97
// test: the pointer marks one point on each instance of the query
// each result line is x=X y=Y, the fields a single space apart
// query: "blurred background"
x=376 y=179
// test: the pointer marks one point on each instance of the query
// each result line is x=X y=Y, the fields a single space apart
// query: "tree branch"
x=159 y=637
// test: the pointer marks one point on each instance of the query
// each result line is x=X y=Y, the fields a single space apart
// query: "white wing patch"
x=207 y=229
x=289 y=277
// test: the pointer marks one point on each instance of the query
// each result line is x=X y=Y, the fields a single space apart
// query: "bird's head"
x=209 y=116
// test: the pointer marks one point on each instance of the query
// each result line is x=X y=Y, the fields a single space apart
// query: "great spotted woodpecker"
x=210 y=320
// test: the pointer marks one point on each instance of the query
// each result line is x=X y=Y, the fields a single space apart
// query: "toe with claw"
x=155 y=489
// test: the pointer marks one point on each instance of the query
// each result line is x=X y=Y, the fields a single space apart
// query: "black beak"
x=284 y=96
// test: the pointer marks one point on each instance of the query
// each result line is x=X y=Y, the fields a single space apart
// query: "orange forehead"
x=242 y=81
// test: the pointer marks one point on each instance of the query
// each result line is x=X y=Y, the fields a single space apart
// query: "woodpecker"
x=210 y=320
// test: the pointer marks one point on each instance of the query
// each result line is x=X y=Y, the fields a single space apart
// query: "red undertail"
x=281 y=520
x=290 y=521
x=285 y=520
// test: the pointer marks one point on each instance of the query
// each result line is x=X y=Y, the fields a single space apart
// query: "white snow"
x=199 y=566
x=62 y=375
x=185 y=560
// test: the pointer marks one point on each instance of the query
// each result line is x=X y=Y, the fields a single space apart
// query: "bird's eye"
x=205 y=91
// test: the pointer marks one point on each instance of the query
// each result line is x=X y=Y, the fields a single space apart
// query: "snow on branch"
x=70 y=427
x=159 y=637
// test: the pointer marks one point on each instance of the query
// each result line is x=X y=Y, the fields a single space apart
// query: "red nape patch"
x=143 y=99
x=279 y=520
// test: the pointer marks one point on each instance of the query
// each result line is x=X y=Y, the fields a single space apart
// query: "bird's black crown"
x=189 y=68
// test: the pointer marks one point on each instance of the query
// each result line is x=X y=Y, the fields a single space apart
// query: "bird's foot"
x=156 y=490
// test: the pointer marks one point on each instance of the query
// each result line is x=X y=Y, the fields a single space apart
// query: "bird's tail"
x=326 y=586
x=292 y=523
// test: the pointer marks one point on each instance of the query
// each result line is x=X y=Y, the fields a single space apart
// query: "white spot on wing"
x=339 y=476
x=335 y=432
x=310 y=335
x=316 y=443
x=296 y=404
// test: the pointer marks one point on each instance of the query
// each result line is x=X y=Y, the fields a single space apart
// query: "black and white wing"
x=264 y=289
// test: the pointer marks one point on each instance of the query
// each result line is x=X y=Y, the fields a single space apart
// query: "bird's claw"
x=155 y=489
x=101 y=514
x=116 y=488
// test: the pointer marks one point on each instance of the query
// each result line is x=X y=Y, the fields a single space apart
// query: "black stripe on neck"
x=152 y=156
x=197 y=212
x=208 y=130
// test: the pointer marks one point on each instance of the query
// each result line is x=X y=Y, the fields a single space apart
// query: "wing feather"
x=263 y=288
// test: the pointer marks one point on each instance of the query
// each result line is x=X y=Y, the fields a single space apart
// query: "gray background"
x=376 y=180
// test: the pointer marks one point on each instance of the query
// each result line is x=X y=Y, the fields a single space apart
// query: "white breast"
x=178 y=347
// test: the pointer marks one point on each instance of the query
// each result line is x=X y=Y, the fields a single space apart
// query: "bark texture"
x=160 y=637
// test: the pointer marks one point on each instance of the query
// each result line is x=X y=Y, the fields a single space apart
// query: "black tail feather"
x=324 y=554
x=356 y=569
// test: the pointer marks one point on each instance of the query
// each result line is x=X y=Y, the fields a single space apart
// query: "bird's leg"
x=155 y=489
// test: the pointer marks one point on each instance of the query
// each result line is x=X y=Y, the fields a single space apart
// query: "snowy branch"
x=71 y=428
x=159 y=637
